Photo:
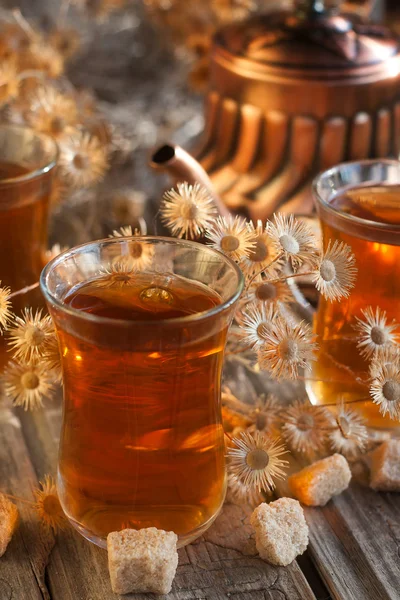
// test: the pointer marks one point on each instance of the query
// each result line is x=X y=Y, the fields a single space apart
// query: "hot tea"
x=340 y=371
x=142 y=441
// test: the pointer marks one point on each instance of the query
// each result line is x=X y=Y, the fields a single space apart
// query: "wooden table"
x=354 y=550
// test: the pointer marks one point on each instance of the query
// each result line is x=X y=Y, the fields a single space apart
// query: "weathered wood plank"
x=355 y=542
x=221 y=565
x=22 y=568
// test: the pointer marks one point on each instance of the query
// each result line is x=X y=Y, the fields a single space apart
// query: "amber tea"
x=340 y=371
x=27 y=161
x=142 y=440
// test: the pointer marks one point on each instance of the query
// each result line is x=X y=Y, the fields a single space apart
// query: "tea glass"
x=142 y=441
x=340 y=373
x=27 y=164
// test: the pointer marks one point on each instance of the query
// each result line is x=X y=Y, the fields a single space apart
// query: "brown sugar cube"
x=142 y=561
x=281 y=531
x=8 y=522
x=385 y=467
x=317 y=484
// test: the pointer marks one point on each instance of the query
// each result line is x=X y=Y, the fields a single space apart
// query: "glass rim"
x=38 y=171
x=193 y=318
x=346 y=216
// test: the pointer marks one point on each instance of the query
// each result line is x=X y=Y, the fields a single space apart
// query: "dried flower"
x=349 y=436
x=52 y=112
x=305 y=427
x=188 y=211
x=257 y=319
x=118 y=274
x=336 y=272
x=374 y=333
x=386 y=356
x=28 y=337
x=51 y=359
x=255 y=460
x=6 y=314
x=239 y=493
x=294 y=239
x=48 y=505
x=262 y=254
x=232 y=236
x=266 y=416
x=66 y=41
x=385 y=389
x=269 y=292
x=41 y=56
x=141 y=253
x=83 y=159
x=287 y=348
x=27 y=384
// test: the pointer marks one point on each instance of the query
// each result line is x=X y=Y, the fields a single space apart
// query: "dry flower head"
x=336 y=271
x=349 y=435
x=256 y=321
x=52 y=112
x=83 y=159
x=232 y=236
x=287 y=348
x=294 y=239
x=385 y=389
x=305 y=427
x=6 y=314
x=255 y=460
x=48 y=505
x=188 y=211
x=28 y=337
x=374 y=333
x=27 y=384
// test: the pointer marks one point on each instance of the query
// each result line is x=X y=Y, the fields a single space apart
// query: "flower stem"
x=264 y=269
x=25 y=290
x=18 y=499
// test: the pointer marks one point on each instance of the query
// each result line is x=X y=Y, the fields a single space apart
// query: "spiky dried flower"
x=41 y=56
x=51 y=359
x=118 y=274
x=48 y=505
x=385 y=389
x=262 y=255
x=294 y=239
x=305 y=427
x=266 y=416
x=232 y=236
x=27 y=384
x=51 y=111
x=269 y=292
x=6 y=314
x=83 y=159
x=386 y=356
x=287 y=348
x=336 y=271
x=239 y=493
x=189 y=211
x=255 y=460
x=140 y=253
x=374 y=333
x=29 y=335
x=256 y=321
x=349 y=435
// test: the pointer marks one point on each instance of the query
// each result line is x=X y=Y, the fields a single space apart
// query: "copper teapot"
x=292 y=94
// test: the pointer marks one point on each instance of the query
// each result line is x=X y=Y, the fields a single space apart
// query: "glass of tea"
x=142 y=324
x=358 y=203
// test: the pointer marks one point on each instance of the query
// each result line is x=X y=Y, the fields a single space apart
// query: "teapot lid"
x=315 y=38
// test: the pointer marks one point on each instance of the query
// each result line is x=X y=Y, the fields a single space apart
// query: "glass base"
x=183 y=540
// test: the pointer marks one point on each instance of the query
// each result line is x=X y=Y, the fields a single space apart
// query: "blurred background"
x=144 y=63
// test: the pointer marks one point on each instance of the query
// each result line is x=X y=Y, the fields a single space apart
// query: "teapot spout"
x=181 y=166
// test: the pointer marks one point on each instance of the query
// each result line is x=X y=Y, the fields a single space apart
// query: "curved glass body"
x=142 y=441
x=27 y=164
x=358 y=203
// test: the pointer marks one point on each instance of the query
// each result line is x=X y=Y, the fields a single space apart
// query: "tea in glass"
x=359 y=204
x=27 y=164
x=142 y=439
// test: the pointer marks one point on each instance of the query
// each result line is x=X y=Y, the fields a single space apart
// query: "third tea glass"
x=142 y=441
x=358 y=203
